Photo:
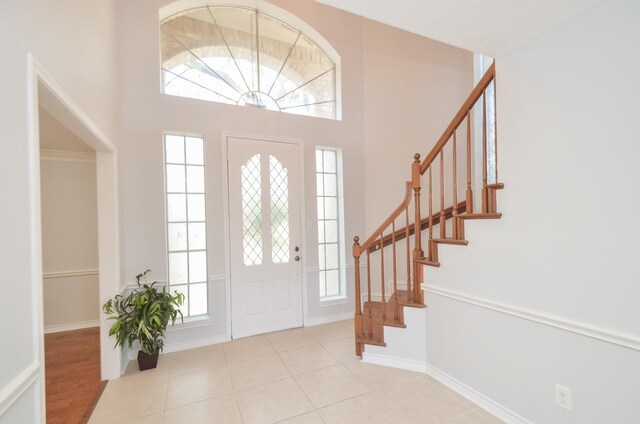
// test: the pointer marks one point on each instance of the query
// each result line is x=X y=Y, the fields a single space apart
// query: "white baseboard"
x=70 y=327
x=394 y=362
x=310 y=322
x=462 y=389
x=489 y=405
x=192 y=344
x=12 y=391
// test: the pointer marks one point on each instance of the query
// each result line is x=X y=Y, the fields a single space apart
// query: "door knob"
x=297 y=258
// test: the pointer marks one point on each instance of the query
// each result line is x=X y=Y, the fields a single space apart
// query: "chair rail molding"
x=540 y=318
x=70 y=273
x=64 y=156
x=12 y=391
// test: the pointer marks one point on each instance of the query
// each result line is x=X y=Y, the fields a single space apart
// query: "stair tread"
x=495 y=215
x=370 y=341
x=403 y=300
x=372 y=322
x=412 y=304
x=450 y=241
x=390 y=322
x=426 y=261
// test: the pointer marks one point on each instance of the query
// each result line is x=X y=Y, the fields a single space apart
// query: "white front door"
x=264 y=220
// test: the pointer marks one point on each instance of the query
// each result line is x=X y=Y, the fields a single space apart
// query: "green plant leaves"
x=143 y=315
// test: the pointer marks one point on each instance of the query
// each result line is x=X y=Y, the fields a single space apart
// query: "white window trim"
x=277 y=12
x=203 y=319
x=342 y=268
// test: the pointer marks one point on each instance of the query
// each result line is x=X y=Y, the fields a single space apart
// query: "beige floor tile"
x=332 y=331
x=149 y=419
x=343 y=350
x=163 y=366
x=129 y=403
x=135 y=378
x=376 y=376
x=222 y=409
x=248 y=348
x=364 y=409
x=461 y=399
x=420 y=401
x=476 y=416
x=310 y=418
x=330 y=385
x=188 y=361
x=415 y=401
x=255 y=372
x=273 y=402
x=283 y=341
x=307 y=359
x=197 y=386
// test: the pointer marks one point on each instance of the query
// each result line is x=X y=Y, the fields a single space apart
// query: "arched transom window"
x=242 y=56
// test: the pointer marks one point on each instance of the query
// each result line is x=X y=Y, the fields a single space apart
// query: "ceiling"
x=491 y=27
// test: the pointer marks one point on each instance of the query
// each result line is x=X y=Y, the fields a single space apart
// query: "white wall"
x=69 y=244
x=85 y=67
x=565 y=250
x=146 y=113
x=413 y=86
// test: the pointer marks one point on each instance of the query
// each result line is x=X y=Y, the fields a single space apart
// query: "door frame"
x=44 y=90
x=227 y=219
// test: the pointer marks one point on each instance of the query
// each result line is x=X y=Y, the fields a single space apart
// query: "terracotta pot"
x=147 y=362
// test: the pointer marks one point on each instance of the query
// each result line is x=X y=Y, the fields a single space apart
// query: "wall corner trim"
x=540 y=318
x=12 y=391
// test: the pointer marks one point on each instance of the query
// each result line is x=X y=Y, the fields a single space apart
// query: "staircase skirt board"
x=370 y=325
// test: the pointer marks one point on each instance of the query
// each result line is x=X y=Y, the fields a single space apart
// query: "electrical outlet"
x=563 y=397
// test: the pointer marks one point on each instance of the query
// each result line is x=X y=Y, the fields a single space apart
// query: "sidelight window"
x=186 y=223
x=330 y=232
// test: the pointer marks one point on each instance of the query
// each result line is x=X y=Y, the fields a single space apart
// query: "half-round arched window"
x=244 y=56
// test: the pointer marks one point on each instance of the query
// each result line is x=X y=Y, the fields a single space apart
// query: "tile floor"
x=301 y=376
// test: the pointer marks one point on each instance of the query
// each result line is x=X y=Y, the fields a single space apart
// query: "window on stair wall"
x=247 y=57
x=481 y=65
x=331 y=247
x=186 y=223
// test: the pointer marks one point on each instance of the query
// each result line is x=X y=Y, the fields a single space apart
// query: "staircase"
x=395 y=258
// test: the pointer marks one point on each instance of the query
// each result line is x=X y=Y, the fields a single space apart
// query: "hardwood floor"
x=72 y=372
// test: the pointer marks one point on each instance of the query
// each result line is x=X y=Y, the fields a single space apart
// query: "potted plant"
x=143 y=315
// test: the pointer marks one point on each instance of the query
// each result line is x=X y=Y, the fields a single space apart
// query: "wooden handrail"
x=396 y=213
x=424 y=224
x=372 y=316
x=459 y=118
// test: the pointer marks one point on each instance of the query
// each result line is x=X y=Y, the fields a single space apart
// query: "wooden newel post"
x=418 y=253
x=359 y=329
